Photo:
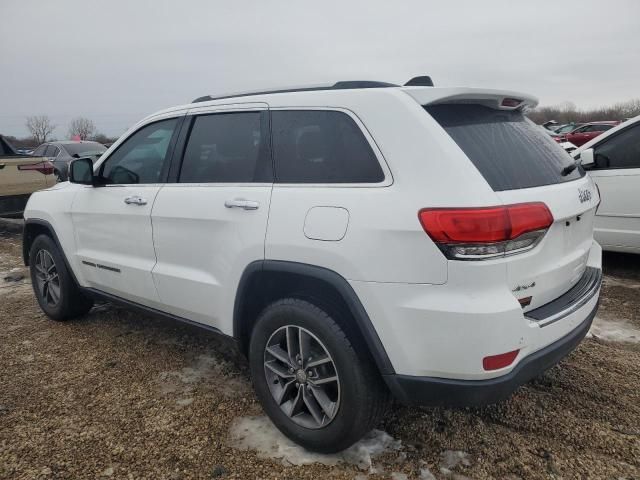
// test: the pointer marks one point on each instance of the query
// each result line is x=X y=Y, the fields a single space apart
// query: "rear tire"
x=322 y=415
x=56 y=291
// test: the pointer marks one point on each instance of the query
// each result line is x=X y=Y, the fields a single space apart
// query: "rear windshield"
x=508 y=149
x=85 y=149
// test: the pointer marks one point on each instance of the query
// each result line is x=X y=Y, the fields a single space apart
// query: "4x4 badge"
x=584 y=195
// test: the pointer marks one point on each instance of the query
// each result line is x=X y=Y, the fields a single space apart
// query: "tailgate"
x=560 y=260
x=522 y=164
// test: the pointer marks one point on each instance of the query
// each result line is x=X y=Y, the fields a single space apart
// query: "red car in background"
x=586 y=132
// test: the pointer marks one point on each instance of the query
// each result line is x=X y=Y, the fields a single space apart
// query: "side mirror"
x=587 y=157
x=81 y=171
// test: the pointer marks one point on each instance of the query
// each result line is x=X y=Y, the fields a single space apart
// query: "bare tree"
x=567 y=112
x=81 y=127
x=40 y=127
x=104 y=139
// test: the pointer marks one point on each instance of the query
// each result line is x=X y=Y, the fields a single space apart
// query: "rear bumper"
x=412 y=390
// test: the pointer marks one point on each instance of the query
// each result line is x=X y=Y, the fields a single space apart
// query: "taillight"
x=45 y=167
x=486 y=232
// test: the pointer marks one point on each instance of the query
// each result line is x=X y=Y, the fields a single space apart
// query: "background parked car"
x=61 y=153
x=613 y=161
x=567 y=127
x=20 y=176
x=568 y=146
x=586 y=132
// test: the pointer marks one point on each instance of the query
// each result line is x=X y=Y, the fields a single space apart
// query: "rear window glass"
x=509 y=150
x=85 y=149
x=313 y=146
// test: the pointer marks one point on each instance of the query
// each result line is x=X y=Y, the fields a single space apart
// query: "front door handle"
x=135 y=200
x=242 y=203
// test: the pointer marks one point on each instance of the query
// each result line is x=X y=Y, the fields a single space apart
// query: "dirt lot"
x=121 y=395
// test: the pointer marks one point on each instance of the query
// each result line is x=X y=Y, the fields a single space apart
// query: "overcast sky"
x=116 y=61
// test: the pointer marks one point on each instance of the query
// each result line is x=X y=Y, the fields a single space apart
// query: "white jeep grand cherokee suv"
x=356 y=240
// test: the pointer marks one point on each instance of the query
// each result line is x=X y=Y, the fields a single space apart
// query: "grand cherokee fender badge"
x=584 y=195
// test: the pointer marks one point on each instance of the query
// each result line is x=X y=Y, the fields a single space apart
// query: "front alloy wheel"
x=56 y=291
x=47 y=278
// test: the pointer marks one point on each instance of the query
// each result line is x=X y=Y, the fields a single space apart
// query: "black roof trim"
x=343 y=85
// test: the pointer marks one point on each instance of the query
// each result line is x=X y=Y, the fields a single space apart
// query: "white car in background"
x=613 y=161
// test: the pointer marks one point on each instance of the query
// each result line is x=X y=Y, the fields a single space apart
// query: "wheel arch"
x=34 y=227
x=265 y=281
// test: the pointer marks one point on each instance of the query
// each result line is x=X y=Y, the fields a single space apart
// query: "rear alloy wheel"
x=302 y=377
x=316 y=387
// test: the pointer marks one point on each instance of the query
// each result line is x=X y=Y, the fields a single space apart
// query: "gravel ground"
x=117 y=394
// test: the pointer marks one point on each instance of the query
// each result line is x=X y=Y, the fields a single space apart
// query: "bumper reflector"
x=495 y=362
x=525 y=301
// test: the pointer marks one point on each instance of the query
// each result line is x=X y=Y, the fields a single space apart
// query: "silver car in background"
x=61 y=153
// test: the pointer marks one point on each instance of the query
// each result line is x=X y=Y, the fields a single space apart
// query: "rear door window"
x=600 y=128
x=509 y=150
x=51 y=151
x=318 y=146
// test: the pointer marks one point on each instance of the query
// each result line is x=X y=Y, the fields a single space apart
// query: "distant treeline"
x=567 y=112
x=30 y=142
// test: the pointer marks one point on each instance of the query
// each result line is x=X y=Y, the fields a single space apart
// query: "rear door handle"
x=135 y=200
x=242 y=203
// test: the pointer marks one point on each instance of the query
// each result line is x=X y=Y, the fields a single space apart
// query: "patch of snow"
x=183 y=402
x=452 y=458
x=614 y=330
x=259 y=434
x=399 y=476
x=204 y=368
x=425 y=474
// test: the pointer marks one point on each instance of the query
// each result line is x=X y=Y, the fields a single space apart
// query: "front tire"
x=57 y=293
x=310 y=380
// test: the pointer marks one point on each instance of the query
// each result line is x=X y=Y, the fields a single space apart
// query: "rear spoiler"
x=498 y=99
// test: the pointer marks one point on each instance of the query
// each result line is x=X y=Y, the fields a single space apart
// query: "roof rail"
x=342 y=85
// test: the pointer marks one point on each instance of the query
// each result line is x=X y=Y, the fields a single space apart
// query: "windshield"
x=509 y=150
x=85 y=149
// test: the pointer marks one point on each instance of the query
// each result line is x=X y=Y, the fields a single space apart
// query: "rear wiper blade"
x=568 y=169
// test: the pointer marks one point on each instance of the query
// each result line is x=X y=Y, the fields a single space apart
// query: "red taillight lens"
x=486 y=231
x=528 y=217
x=46 y=168
x=495 y=362
x=466 y=225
